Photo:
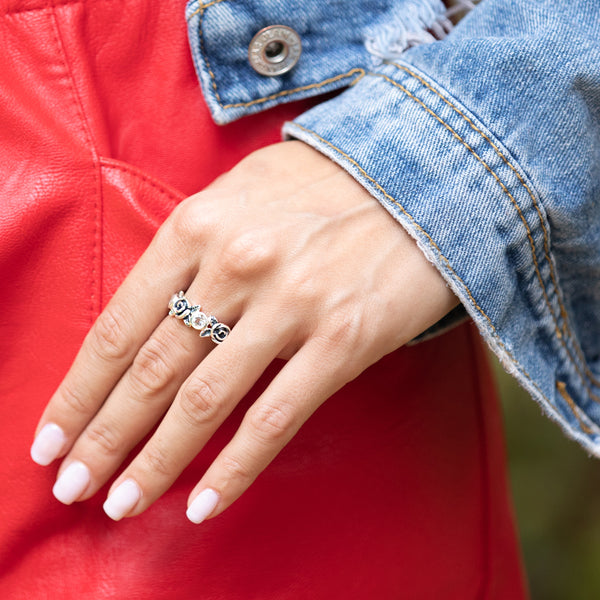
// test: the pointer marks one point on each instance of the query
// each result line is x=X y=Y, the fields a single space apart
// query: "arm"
x=485 y=147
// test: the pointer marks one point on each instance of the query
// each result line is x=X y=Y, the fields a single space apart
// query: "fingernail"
x=48 y=444
x=204 y=503
x=72 y=482
x=122 y=500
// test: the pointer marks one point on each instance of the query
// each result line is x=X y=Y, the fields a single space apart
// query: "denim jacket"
x=484 y=145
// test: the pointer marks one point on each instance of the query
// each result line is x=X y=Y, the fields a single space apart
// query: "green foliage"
x=556 y=491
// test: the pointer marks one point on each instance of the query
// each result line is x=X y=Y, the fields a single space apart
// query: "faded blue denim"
x=485 y=146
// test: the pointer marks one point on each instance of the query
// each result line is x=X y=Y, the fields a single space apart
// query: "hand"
x=303 y=264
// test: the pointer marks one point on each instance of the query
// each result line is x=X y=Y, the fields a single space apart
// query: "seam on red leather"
x=96 y=258
x=175 y=195
x=16 y=7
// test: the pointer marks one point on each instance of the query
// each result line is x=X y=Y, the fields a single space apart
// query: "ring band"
x=207 y=325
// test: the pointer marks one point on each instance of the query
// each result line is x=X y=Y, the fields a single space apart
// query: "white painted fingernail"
x=204 y=503
x=122 y=500
x=72 y=482
x=48 y=444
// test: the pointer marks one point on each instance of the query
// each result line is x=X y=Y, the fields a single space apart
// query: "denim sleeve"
x=485 y=146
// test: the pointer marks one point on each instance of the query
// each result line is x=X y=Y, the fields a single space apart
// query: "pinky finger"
x=305 y=382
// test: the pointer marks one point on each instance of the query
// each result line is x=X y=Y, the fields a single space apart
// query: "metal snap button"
x=274 y=50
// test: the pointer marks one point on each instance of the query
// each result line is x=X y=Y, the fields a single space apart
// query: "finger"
x=204 y=401
x=109 y=348
x=135 y=405
x=306 y=381
x=139 y=399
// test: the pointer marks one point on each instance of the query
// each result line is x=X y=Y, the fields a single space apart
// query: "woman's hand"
x=303 y=264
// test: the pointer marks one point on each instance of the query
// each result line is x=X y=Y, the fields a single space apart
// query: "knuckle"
x=247 y=254
x=344 y=329
x=104 y=437
x=270 y=422
x=157 y=461
x=300 y=283
x=236 y=470
x=341 y=346
x=74 y=401
x=150 y=372
x=200 y=402
x=190 y=219
x=107 y=335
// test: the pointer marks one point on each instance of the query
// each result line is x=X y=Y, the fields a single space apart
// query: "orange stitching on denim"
x=359 y=71
x=203 y=51
x=563 y=310
x=514 y=202
x=204 y=7
x=485 y=165
x=562 y=390
x=356 y=71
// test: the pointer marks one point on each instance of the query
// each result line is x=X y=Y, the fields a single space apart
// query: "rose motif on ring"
x=179 y=306
x=219 y=332
x=192 y=316
x=212 y=321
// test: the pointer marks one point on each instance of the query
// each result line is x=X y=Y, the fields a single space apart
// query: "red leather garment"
x=396 y=488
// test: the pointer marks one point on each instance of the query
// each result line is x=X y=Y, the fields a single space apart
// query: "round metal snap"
x=274 y=50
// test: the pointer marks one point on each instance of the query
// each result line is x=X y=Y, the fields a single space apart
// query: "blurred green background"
x=556 y=491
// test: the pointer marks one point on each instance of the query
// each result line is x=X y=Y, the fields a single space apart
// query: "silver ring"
x=191 y=314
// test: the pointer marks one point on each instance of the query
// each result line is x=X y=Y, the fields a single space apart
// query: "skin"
x=287 y=239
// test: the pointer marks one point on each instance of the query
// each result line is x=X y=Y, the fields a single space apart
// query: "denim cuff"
x=440 y=172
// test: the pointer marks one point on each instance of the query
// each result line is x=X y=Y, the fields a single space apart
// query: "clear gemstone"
x=199 y=320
